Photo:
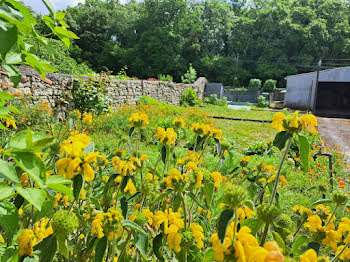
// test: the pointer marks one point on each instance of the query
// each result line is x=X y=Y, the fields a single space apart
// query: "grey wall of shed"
x=300 y=93
x=214 y=88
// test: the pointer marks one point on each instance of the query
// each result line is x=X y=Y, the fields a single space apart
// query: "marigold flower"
x=87 y=119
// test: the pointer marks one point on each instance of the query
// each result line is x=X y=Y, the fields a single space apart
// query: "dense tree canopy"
x=273 y=38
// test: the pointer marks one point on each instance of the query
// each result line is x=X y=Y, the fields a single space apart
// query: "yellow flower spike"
x=130 y=187
x=294 y=123
x=277 y=122
x=217 y=178
x=309 y=123
x=89 y=173
x=199 y=179
x=197 y=232
x=314 y=223
x=72 y=166
x=25 y=243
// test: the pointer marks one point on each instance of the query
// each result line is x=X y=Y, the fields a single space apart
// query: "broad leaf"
x=6 y=191
x=100 y=249
x=224 y=220
x=49 y=6
x=162 y=195
x=8 y=216
x=134 y=226
x=209 y=192
x=209 y=255
x=296 y=248
x=61 y=188
x=195 y=199
x=142 y=244
x=304 y=149
x=46 y=249
x=279 y=241
x=35 y=196
x=157 y=245
x=8 y=171
x=281 y=139
x=56 y=179
x=7 y=39
x=78 y=182
x=254 y=224
x=124 y=206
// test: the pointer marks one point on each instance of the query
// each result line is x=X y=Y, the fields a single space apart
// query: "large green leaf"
x=209 y=255
x=157 y=245
x=296 y=248
x=8 y=171
x=254 y=224
x=56 y=179
x=134 y=226
x=39 y=140
x=224 y=220
x=100 y=249
x=124 y=206
x=209 y=192
x=6 y=191
x=78 y=182
x=49 y=6
x=281 y=139
x=61 y=188
x=304 y=149
x=32 y=165
x=7 y=39
x=35 y=196
x=279 y=241
x=13 y=73
x=142 y=244
x=46 y=249
x=8 y=216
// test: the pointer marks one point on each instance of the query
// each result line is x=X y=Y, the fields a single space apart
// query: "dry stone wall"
x=56 y=89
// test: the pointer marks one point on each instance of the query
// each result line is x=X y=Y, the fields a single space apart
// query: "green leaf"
x=321 y=201
x=6 y=191
x=7 y=39
x=63 y=32
x=8 y=171
x=100 y=249
x=90 y=148
x=10 y=255
x=162 y=195
x=177 y=201
x=13 y=72
x=13 y=58
x=209 y=193
x=209 y=255
x=39 y=140
x=163 y=153
x=134 y=226
x=35 y=196
x=254 y=224
x=218 y=146
x=281 y=139
x=49 y=6
x=8 y=216
x=224 y=220
x=301 y=240
x=61 y=188
x=32 y=165
x=157 y=245
x=124 y=206
x=56 y=179
x=29 y=138
x=249 y=203
x=46 y=249
x=142 y=244
x=131 y=131
x=78 y=182
x=195 y=199
x=304 y=149
x=60 y=15
x=279 y=241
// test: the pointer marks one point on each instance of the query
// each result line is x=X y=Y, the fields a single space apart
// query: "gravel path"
x=335 y=131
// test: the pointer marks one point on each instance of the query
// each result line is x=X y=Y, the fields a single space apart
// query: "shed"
x=214 y=88
x=331 y=97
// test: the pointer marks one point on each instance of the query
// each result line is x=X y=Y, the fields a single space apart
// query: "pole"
x=316 y=84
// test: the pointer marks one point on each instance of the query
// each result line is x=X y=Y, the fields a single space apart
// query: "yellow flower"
x=25 y=243
x=267 y=168
x=309 y=256
x=294 y=123
x=277 y=122
x=139 y=119
x=57 y=198
x=9 y=122
x=217 y=178
x=174 y=241
x=20 y=211
x=314 y=223
x=309 y=123
x=178 y=122
x=199 y=179
x=83 y=194
x=89 y=173
x=191 y=166
x=346 y=253
x=200 y=129
x=97 y=224
x=197 y=232
x=81 y=236
x=130 y=187
x=2 y=240
x=332 y=238
x=167 y=137
x=87 y=119
x=147 y=213
x=239 y=251
x=174 y=176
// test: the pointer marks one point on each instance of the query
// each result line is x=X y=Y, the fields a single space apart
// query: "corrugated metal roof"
x=331 y=69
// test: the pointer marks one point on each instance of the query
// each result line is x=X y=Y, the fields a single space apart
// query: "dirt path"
x=335 y=131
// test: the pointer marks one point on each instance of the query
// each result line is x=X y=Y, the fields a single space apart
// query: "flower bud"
x=268 y=213
x=64 y=223
x=284 y=221
x=339 y=197
x=234 y=196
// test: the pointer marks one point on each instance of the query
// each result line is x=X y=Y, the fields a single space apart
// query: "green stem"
x=113 y=245
x=185 y=209
x=299 y=227
x=235 y=223
x=289 y=142
x=264 y=234
x=124 y=246
x=195 y=144
x=341 y=252
x=330 y=218
x=218 y=164
x=204 y=147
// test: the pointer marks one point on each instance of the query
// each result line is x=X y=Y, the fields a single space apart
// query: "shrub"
x=269 y=86
x=213 y=100
x=122 y=74
x=254 y=83
x=166 y=78
x=189 y=97
x=91 y=95
x=223 y=101
x=190 y=76
x=262 y=102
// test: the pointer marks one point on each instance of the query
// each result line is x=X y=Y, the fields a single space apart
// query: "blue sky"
x=39 y=7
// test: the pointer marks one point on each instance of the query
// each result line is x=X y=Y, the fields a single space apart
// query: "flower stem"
x=235 y=223
x=185 y=209
x=341 y=252
x=299 y=227
x=289 y=142
x=264 y=234
x=330 y=218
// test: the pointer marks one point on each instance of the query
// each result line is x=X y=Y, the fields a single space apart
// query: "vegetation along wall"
x=58 y=91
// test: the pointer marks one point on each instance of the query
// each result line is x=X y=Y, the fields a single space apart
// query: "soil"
x=335 y=131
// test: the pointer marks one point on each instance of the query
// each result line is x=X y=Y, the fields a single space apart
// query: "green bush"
x=269 y=86
x=166 y=78
x=254 y=83
x=262 y=102
x=91 y=96
x=189 y=97
x=213 y=100
x=190 y=76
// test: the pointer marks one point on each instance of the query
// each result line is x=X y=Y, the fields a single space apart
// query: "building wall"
x=301 y=88
x=56 y=90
